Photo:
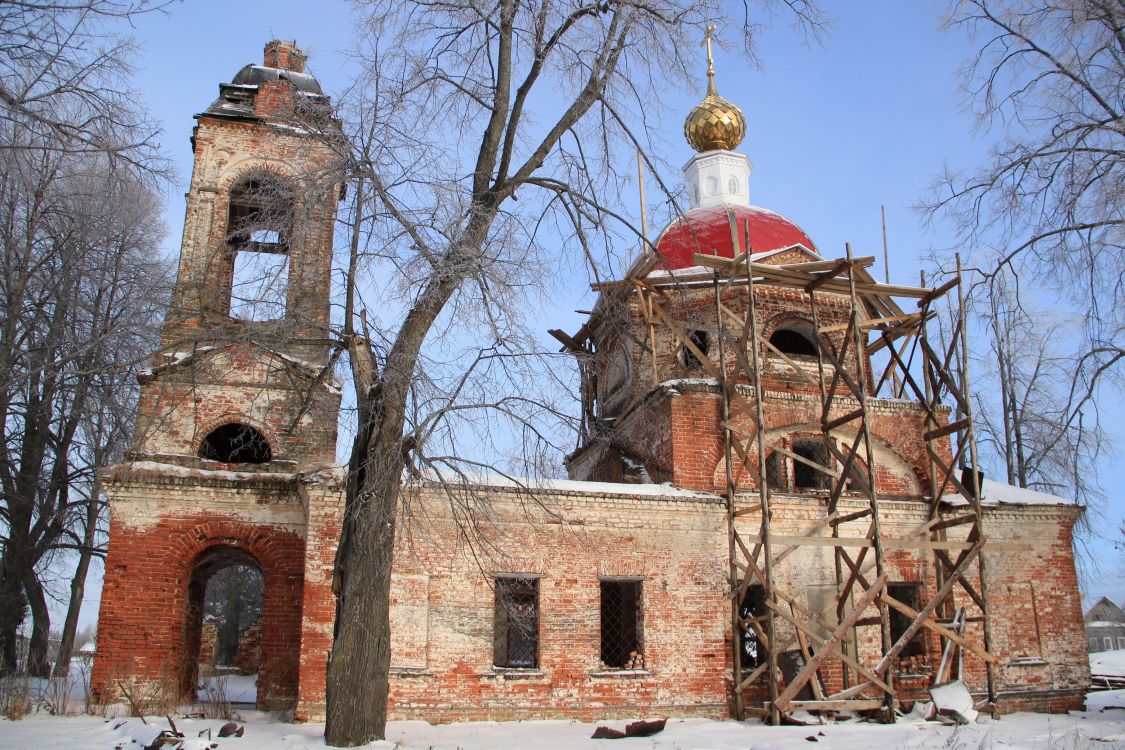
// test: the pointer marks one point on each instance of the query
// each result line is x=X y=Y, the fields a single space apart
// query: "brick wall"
x=169 y=528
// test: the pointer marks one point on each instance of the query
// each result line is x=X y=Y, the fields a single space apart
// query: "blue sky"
x=867 y=118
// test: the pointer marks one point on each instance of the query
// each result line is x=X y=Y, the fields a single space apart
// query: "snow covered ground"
x=1101 y=726
x=236 y=688
x=1111 y=663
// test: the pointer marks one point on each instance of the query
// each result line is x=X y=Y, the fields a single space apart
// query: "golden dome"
x=715 y=123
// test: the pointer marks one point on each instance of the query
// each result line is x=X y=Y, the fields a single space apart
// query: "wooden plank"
x=823 y=265
x=807 y=462
x=808 y=532
x=942 y=593
x=840 y=705
x=799 y=681
x=873 y=322
x=951 y=522
x=844 y=419
x=803 y=643
x=796 y=368
x=852 y=517
x=837 y=268
x=888 y=543
x=853 y=690
x=945 y=632
x=835 y=650
x=949 y=429
x=687 y=342
x=566 y=340
x=935 y=293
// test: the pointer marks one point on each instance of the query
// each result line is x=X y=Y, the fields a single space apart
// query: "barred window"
x=702 y=342
x=622 y=625
x=805 y=477
x=907 y=593
x=753 y=606
x=775 y=471
x=516 y=623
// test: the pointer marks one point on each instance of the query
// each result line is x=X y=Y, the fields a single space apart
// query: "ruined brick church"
x=774 y=506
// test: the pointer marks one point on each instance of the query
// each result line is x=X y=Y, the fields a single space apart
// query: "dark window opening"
x=259 y=223
x=789 y=341
x=701 y=341
x=622 y=625
x=235 y=443
x=515 y=636
x=753 y=604
x=806 y=477
x=775 y=471
x=907 y=593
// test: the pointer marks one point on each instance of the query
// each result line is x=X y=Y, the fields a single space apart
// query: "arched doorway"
x=223 y=628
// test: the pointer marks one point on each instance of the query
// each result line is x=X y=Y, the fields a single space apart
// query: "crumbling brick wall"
x=165 y=521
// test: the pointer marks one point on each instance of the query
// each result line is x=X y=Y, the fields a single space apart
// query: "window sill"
x=513 y=673
x=621 y=673
x=411 y=672
x=1027 y=661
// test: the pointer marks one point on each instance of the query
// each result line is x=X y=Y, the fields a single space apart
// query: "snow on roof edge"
x=995 y=493
x=566 y=485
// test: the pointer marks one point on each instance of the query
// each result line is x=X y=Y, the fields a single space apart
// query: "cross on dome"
x=715 y=123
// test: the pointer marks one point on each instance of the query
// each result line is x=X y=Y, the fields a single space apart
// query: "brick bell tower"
x=240 y=400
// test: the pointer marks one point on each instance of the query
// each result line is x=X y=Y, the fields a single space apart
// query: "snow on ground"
x=236 y=688
x=1111 y=663
x=1101 y=726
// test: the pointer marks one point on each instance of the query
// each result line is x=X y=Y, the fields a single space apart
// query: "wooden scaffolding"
x=889 y=322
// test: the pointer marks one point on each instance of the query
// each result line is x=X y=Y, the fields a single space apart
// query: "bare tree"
x=482 y=160
x=233 y=601
x=80 y=282
x=1047 y=211
x=79 y=230
x=62 y=76
x=1026 y=420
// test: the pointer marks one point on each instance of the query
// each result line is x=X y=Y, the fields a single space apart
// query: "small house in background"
x=1105 y=626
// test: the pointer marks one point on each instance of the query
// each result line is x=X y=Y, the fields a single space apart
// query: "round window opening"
x=235 y=443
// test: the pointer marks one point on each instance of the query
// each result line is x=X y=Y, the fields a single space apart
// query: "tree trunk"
x=38 y=663
x=77 y=592
x=363 y=639
x=11 y=614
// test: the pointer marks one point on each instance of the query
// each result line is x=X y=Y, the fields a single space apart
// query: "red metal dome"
x=708 y=230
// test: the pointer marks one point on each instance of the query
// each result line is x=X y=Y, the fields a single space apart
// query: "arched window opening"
x=793 y=342
x=259 y=224
x=235 y=443
x=224 y=626
x=701 y=340
x=806 y=477
x=775 y=471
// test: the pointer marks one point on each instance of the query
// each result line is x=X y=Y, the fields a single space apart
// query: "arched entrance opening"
x=222 y=636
